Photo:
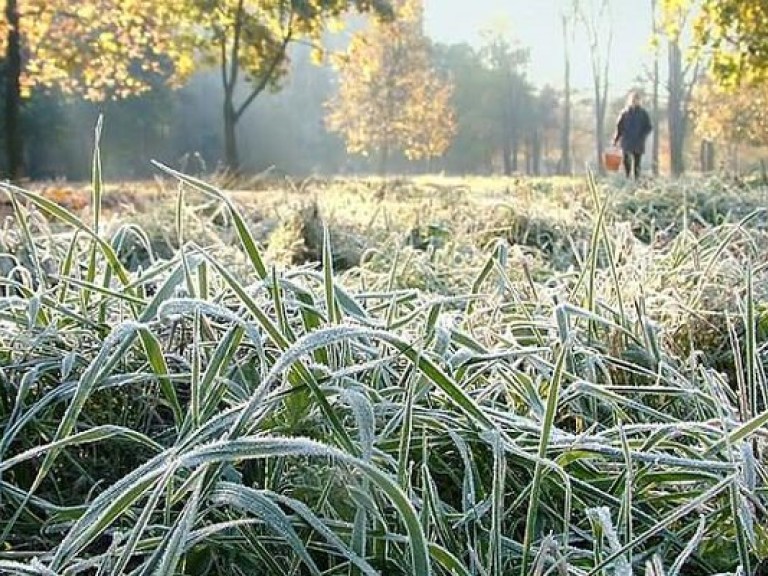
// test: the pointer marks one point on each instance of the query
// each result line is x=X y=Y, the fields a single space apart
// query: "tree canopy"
x=740 y=118
x=736 y=31
x=111 y=49
x=106 y=49
x=390 y=97
x=732 y=34
x=248 y=40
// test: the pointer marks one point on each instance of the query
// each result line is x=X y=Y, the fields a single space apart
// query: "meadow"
x=424 y=376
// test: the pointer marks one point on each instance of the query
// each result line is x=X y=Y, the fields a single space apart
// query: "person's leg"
x=627 y=163
x=637 y=157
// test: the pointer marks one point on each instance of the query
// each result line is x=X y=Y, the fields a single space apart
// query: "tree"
x=655 y=136
x=14 y=143
x=248 y=41
x=390 y=96
x=734 y=32
x=595 y=18
x=736 y=119
x=104 y=49
x=543 y=128
x=429 y=109
x=499 y=114
x=565 y=136
x=683 y=75
x=505 y=60
x=475 y=143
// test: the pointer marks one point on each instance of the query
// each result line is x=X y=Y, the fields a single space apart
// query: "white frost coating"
x=35 y=567
x=121 y=332
x=468 y=493
x=602 y=516
x=262 y=447
x=67 y=363
x=178 y=307
x=182 y=306
x=306 y=513
x=749 y=466
x=746 y=512
x=459 y=358
x=257 y=503
x=12 y=301
x=442 y=340
x=303 y=346
x=363 y=411
x=448 y=321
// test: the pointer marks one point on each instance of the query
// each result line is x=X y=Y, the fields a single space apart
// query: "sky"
x=537 y=25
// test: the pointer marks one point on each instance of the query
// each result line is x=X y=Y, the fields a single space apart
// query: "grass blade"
x=249 y=244
x=546 y=431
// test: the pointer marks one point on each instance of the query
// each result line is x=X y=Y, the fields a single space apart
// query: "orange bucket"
x=612 y=159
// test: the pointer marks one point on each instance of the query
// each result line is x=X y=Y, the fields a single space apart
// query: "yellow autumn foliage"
x=739 y=117
x=732 y=33
x=97 y=47
x=390 y=98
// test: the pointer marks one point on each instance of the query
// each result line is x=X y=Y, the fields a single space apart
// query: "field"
x=428 y=376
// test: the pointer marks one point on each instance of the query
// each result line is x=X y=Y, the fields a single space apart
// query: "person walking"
x=632 y=130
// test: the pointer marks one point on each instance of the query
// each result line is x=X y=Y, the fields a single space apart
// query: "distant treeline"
x=503 y=124
x=239 y=87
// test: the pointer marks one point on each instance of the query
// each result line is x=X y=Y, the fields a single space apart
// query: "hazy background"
x=285 y=131
x=537 y=25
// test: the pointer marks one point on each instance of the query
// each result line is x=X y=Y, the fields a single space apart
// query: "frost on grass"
x=603 y=527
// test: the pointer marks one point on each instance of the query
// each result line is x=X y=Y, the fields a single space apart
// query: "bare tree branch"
x=266 y=77
x=238 y=30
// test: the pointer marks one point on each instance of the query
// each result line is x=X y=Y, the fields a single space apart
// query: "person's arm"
x=619 y=129
x=648 y=123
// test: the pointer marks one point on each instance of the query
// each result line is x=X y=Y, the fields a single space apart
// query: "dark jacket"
x=633 y=128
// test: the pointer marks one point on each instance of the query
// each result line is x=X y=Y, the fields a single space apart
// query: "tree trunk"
x=507 y=136
x=656 y=137
x=230 y=74
x=600 y=109
x=231 y=156
x=676 y=109
x=515 y=153
x=528 y=156
x=601 y=89
x=600 y=59
x=384 y=160
x=707 y=156
x=565 y=142
x=603 y=101
x=536 y=149
x=14 y=137
x=506 y=154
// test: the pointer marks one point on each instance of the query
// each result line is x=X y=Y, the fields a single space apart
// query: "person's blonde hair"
x=632 y=96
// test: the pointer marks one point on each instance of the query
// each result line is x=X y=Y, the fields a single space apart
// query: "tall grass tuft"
x=195 y=417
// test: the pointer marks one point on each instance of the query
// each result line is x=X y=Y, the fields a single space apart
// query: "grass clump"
x=198 y=418
x=297 y=238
